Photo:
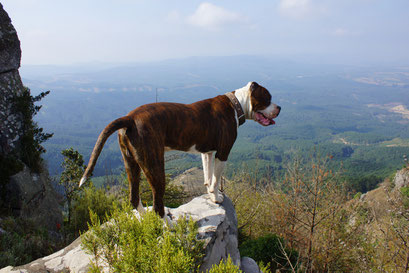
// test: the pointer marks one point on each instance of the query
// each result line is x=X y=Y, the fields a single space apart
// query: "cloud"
x=341 y=32
x=173 y=17
x=210 y=16
x=299 y=9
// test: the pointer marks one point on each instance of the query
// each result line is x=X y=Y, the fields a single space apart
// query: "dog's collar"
x=237 y=107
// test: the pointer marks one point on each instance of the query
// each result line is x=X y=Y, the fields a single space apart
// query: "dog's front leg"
x=213 y=190
x=207 y=160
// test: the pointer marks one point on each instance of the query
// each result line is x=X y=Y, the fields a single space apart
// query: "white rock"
x=217 y=228
x=248 y=265
x=401 y=179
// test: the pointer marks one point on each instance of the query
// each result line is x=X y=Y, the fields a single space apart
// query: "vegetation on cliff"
x=128 y=244
x=30 y=147
x=331 y=230
x=33 y=135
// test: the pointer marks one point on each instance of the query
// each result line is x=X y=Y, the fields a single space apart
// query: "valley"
x=326 y=109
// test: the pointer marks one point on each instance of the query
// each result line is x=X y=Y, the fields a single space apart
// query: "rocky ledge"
x=217 y=228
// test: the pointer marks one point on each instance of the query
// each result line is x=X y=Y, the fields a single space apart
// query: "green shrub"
x=405 y=196
x=128 y=244
x=225 y=267
x=405 y=192
x=174 y=194
x=90 y=198
x=269 y=249
x=358 y=195
x=23 y=242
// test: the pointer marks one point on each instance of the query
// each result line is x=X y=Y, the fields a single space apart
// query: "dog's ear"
x=259 y=96
x=253 y=86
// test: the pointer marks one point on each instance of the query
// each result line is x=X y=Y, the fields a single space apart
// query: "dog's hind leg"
x=208 y=162
x=133 y=171
x=153 y=166
x=156 y=178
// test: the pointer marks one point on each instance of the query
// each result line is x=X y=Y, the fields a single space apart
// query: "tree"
x=311 y=195
x=74 y=167
x=33 y=135
x=395 y=231
x=29 y=151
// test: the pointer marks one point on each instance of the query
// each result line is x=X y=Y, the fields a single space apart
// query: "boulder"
x=31 y=196
x=401 y=179
x=217 y=228
x=248 y=265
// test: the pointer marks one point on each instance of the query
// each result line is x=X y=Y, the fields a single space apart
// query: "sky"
x=116 y=31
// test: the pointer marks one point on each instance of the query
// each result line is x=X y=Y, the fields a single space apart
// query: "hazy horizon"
x=359 y=32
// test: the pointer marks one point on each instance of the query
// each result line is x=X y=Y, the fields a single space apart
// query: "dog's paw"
x=216 y=197
x=207 y=182
x=167 y=220
x=140 y=208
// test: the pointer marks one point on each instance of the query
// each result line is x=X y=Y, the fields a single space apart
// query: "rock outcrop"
x=217 y=228
x=24 y=193
x=401 y=178
x=10 y=85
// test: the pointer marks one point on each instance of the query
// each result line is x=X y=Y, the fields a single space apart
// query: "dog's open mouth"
x=263 y=120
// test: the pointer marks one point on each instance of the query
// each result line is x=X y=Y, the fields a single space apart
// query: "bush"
x=174 y=194
x=90 y=198
x=405 y=196
x=225 y=267
x=128 y=244
x=269 y=249
x=23 y=242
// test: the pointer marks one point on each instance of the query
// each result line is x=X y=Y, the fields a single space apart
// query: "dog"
x=208 y=127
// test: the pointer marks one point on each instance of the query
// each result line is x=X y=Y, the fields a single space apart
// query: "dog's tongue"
x=263 y=120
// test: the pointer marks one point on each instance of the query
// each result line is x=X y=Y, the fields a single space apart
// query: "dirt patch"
x=393 y=108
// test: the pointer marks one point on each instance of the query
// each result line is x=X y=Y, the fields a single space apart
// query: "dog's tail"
x=123 y=122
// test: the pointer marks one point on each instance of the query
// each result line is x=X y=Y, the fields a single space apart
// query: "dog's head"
x=263 y=110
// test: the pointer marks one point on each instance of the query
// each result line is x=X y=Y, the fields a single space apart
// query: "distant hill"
x=328 y=107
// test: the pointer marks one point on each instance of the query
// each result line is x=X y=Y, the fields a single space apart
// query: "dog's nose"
x=279 y=109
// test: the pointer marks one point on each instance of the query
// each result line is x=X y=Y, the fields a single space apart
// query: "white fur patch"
x=270 y=110
x=208 y=165
x=243 y=96
x=213 y=190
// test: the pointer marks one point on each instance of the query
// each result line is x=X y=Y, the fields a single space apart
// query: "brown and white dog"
x=208 y=127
